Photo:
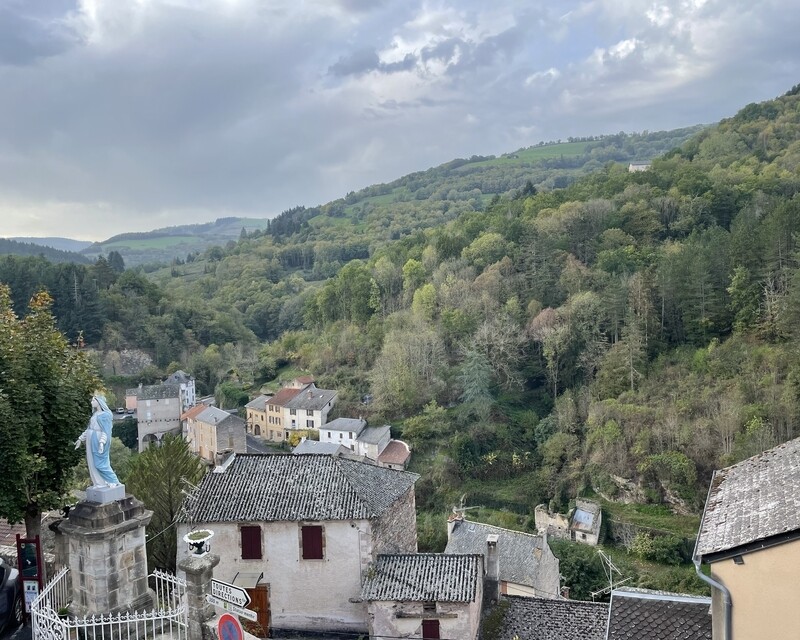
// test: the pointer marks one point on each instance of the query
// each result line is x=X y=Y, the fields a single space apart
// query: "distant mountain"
x=15 y=248
x=170 y=243
x=63 y=244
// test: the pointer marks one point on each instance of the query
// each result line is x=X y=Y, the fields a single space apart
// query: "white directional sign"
x=230 y=593
x=239 y=611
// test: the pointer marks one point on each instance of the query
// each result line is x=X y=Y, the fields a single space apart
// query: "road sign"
x=233 y=608
x=31 y=590
x=229 y=628
x=230 y=593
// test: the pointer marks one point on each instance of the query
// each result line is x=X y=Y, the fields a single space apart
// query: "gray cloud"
x=124 y=116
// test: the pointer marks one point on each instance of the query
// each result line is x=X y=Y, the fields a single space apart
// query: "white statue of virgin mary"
x=98 y=444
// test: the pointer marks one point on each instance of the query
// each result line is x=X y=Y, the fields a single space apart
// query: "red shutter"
x=430 y=629
x=312 y=542
x=251 y=543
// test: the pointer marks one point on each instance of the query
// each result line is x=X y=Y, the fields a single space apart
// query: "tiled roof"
x=178 y=377
x=192 y=413
x=656 y=615
x=8 y=532
x=157 y=392
x=304 y=379
x=345 y=424
x=752 y=500
x=217 y=417
x=283 y=396
x=396 y=452
x=259 y=403
x=281 y=487
x=311 y=398
x=313 y=446
x=424 y=577
x=540 y=619
x=523 y=558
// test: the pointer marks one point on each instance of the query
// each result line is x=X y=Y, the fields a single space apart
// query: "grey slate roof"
x=215 y=416
x=259 y=403
x=657 y=615
x=542 y=619
x=373 y=435
x=286 y=487
x=180 y=376
x=346 y=425
x=311 y=398
x=424 y=577
x=523 y=558
x=313 y=446
x=752 y=500
x=155 y=392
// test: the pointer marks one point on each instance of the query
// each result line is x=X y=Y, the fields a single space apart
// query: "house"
x=300 y=382
x=425 y=595
x=212 y=432
x=308 y=409
x=526 y=565
x=635 y=167
x=658 y=615
x=547 y=619
x=302 y=532
x=343 y=431
x=750 y=537
x=185 y=382
x=372 y=441
x=158 y=409
x=582 y=524
x=274 y=431
x=256 y=415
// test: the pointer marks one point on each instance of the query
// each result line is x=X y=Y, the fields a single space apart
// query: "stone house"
x=396 y=455
x=372 y=443
x=301 y=532
x=212 y=433
x=582 y=524
x=158 y=409
x=425 y=595
x=750 y=537
x=526 y=565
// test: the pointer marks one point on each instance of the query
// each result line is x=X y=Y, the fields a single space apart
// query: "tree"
x=158 y=477
x=45 y=390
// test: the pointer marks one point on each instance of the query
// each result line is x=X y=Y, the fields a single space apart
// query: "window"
x=430 y=630
x=292 y=412
x=251 y=542
x=310 y=424
x=351 y=435
x=312 y=546
x=429 y=607
x=309 y=412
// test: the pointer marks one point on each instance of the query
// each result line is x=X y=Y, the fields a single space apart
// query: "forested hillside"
x=12 y=247
x=534 y=335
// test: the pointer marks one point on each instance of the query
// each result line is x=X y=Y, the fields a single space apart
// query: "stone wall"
x=389 y=620
x=396 y=530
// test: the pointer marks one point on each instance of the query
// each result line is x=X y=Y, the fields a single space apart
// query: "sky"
x=130 y=115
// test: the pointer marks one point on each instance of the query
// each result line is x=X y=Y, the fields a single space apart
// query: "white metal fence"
x=51 y=620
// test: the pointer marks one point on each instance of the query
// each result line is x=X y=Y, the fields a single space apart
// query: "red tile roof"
x=283 y=396
x=396 y=452
x=192 y=413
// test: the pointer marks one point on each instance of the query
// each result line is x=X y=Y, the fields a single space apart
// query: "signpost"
x=230 y=593
x=29 y=561
x=233 y=608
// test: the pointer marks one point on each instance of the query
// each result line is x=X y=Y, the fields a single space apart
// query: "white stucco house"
x=425 y=595
x=186 y=384
x=301 y=532
x=309 y=408
x=343 y=431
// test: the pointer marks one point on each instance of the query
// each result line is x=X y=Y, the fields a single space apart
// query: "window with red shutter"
x=251 y=542
x=430 y=630
x=312 y=542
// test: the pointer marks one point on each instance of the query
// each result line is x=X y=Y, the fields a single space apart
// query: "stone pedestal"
x=199 y=571
x=107 y=556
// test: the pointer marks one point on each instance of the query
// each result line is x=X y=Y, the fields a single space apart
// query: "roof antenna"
x=609 y=568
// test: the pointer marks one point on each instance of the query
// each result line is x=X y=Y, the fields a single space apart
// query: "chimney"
x=310 y=394
x=452 y=522
x=565 y=593
x=492 y=579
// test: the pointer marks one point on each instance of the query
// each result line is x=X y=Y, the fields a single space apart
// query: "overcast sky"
x=128 y=115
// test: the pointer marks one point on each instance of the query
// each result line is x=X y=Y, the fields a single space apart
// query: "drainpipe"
x=726 y=595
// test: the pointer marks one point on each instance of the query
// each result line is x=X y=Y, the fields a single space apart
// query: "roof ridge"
x=484 y=524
